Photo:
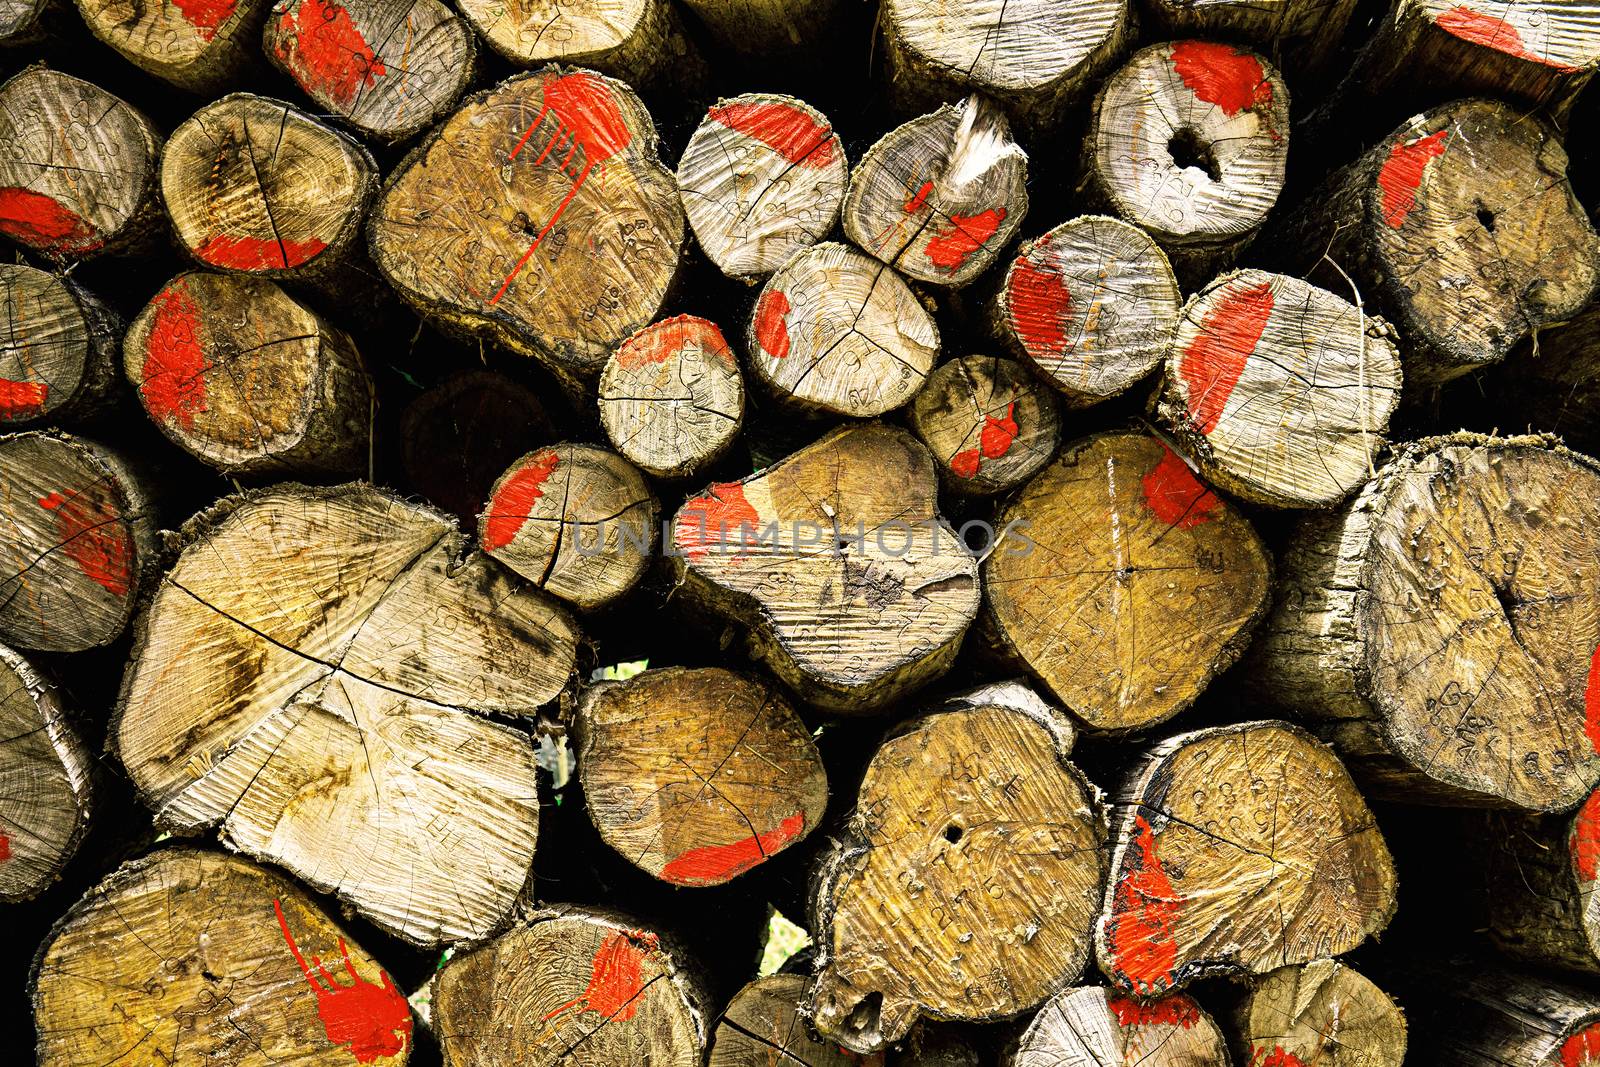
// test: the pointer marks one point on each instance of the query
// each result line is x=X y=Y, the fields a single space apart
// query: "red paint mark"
x=1277 y=1057
x=372 y=1020
x=1222 y=75
x=21 y=400
x=704 y=522
x=206 y=16
x=172 y=382
x=994 y=440
x=951 y=248
x=1585 y=843
x=1176 y=1010
x=784 y=128
x=966 y=462
x=329 y=55
x=1041 y=308
x=5 y=848
x=1175 y=496
x=1401 y=174
x=715 y=864
x=1591 y=701
x=42 y=222
x=587 y=117
x=91 y=536
x=1213 y=361
x=237 y=252
x=772 y=330
x=1491 y=32
x=616 y=978
x=665 y=340
x=1144 y=913
x=513 y=503
x=918 y=198
x=1582 y=1048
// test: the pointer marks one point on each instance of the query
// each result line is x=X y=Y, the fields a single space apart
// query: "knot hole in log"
x=1189 y=149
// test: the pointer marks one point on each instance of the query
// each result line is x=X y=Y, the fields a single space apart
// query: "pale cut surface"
x=762 y=1027
x=1323 y=1013
x=1097 y=1027
x=762 y=178
x=50 y=344
x=1561 y=34
x=1241 y=849
x=18 y=17
x=195 y=46
x=1005 y=44
x=538 y=31
x=988 y=422
x=189 y=957
x=839 y=331
x=323 y=710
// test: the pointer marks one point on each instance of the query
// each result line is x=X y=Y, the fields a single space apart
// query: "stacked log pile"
x=1035 y=533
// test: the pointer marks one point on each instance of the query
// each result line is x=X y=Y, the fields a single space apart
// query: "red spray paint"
x=92 y=537
x=1591 y=701
x=1214 y=359
x=587 y=117
x=1401 y=174
x=665 y=340
x=784 y=128
x=706 y=522
x=1175 y=496
x=172 y=382
x=1582 y=1049
x=918 y=198
x=1491 y=32
x=1260 y=1056
x=510 y=507
x=1041 y=308
x=1222 y=75
x=772 y=327
x=951 y=248
x=5 y=848
x=1145 y=910
x=21 y=400
x=239 y=252
x=715 y=864
x=1585 y=843
x=994 y=441
x=329 y=55
x=1175 y=1010
x=370 y=1019
x=206 y=16
x=42 y=222
x=617 y=976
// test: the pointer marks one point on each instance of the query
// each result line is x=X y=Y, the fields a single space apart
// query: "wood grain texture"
x=198 y=47
x=1300 y=36
x=762 y=1025
x=1320 y=1012
x=1478 y=1013
x=58 y=347
x=989 y=423
x=1093 y=1026
x=639 y=41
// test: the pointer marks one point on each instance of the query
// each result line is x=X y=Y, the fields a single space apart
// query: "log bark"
x=1119 y=529
x=838 y=332
x=853 y=587
x=1189 y=140
x=978 y=793
x=48 y=773
x=492 y=225
x=1541 y=872
x=312 y=676
x=1551 y=383
x=189 y=956
x=77 y=168
x=762 y=178
x=989 y=424
x=696 y=776
x=576 y=521
x=1320 y=1012
x=1093 y=303
x=1469 y=1013
x=640 y=41
x=672 y=398
x=1301 y=36
x=940 y=197
x=1459 y=228
x=1093 y=1026
x=25 y=22
x=58 y=345
x=79 y=528
x=200 y=48
x=1240 y=849
x=762 y=1026
x=1435 y=626
x=768 y=30
x=257 y=186
x=390 y=68
x=1036 y=57
x=569 y=985
x=243 y=377
x=1281 y=391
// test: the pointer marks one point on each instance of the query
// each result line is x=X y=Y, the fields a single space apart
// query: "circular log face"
x=988 y=422
x=950 y=804
x=1280 y=389
x=939 y=197
x=77 y=538
x=538 y=212
x=307 y=676
x=762 y=178
x=838 y=331
x=46 y=348
x=762 y=1026
x=1478 y=625
x=44 y=782
x=389 y=68
x=193 y=45
x=255 y=185
x=1476 y=229
x=1134 y=585
x=1098 y=1027
x=238 y=374
x=696 y=776
x=1005 y=45
x=1322 y=1013
x=193 y=957
x=1190 y=140
x=575 y=989
x=76 y=163
x=671 y=397
x=539 y=31
x=1558 y=34
x=838 y=558
x=1093 y=303
x=1245 y=848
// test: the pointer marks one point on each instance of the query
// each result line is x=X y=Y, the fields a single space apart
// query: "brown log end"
x=989 y=423
x=58 y=347
x=1093 y=1024
x=199 y=47
x=1320 y=1012
x=640 y=41
x=762 y=1022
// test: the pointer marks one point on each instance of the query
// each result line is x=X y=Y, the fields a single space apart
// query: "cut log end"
x=762 y=1025
x=1320 y=1012
x=989 y=423
x=58 y=348
x=641 y=41
x=199 y=47
x=1095 y=1025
